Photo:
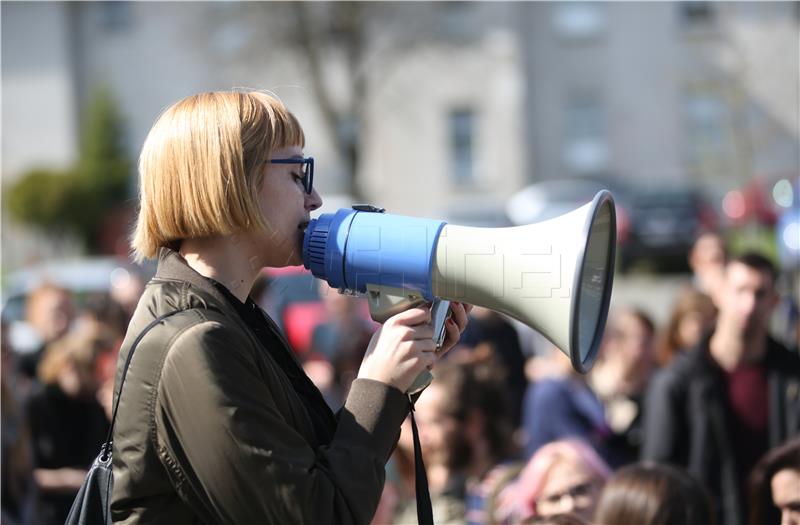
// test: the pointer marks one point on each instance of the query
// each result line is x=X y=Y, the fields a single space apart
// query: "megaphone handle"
x=440 y=311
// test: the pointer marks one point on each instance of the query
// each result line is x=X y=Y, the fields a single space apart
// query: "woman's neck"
x=226 y=259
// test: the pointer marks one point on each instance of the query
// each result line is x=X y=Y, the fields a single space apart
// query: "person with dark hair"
x=49 y=310
x=717 y=408
x=692 y=316
x=66 y=419
x=619 y=378
x=707 y=260
x=652 y=494
x=18 y=498
x=465 y=426
x=775 y=486
x=489 y=332
x=556 y=519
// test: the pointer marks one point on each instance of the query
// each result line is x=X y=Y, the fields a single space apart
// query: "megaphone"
x=554 y=276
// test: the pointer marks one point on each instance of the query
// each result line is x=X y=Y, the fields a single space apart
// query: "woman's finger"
x=414 y=316
x=423 y=331
x=425 y=345
x=459 y=315
x=453 y=335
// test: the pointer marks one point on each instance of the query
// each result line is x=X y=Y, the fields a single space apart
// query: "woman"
x=653 y=494
x=774 y=486
x=559 y=404
x=563 y=477
x=217 y=421
x=692 y=317
x=619 y=379
x=66 y=419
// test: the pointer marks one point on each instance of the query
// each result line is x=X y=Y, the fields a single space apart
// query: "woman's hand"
x=403 y=347
x=455 y=325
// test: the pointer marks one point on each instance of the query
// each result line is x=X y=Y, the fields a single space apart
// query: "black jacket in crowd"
x=688 y=420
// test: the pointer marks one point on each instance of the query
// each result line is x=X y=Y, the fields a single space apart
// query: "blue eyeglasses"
x=307 y=167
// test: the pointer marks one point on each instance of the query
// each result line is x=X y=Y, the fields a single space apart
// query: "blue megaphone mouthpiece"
x=356 y=247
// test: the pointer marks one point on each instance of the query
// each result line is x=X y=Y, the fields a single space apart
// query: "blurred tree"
x=346 y=48
x=79 y=200
x=345 y=27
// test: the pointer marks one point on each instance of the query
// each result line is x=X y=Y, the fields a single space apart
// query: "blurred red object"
x=293 y=299
x=751 y=203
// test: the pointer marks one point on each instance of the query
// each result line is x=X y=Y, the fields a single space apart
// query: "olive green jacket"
x=211 y=430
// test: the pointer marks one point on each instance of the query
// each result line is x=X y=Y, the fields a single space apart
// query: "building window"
x=115 y=16
x=579 y=20
x=586 y=148
x=707 y=129
x=696 y=14
x=461 y=128
x=456 y=19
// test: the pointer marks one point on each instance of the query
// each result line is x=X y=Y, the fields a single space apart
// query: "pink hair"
x=518 y=501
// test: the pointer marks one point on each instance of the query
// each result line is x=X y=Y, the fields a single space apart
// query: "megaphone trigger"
x=440 y=313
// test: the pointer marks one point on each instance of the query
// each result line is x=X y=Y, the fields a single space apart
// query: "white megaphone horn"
x=554 y=276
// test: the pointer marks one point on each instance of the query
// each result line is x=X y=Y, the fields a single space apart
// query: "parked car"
x=548 y=199
x=82 y=277
x=664 y=222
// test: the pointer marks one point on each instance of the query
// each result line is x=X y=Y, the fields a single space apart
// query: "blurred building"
x=687 y=92
x=454 y=105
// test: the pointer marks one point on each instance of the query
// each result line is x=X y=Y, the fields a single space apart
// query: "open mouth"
x=303 y=226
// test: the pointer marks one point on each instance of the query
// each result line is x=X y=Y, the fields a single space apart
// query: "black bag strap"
x=107 y=445
x=424 y=508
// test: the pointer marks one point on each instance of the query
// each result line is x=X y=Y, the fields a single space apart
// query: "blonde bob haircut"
x=202 y=165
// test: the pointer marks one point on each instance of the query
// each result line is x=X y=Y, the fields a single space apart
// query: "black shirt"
x=66 y=432
x=270 y=337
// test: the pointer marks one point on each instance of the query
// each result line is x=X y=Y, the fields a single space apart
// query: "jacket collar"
x=173 y=267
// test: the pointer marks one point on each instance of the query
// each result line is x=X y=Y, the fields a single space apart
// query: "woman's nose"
x=313 y=200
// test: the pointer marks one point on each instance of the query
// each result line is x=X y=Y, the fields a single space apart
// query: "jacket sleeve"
x=663 y=424
x=234 y=457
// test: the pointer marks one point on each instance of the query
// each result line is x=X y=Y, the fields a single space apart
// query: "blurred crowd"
x=693 y=422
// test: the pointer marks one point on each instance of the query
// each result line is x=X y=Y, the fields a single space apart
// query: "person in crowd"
x=559 y=404
x=101 y=310
x=707 y=259
x=491 y=333
x=445 y=453
x=692 y=317
x=563 y=477
x=619 y=378
x=67 y=424
x=49 y=311
x=18 y=498
x=556 y=519
x=217 y=420
x=653 y=494
x=466 y=436
x=717 y=408
x=103 y=315
x=775 y=486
